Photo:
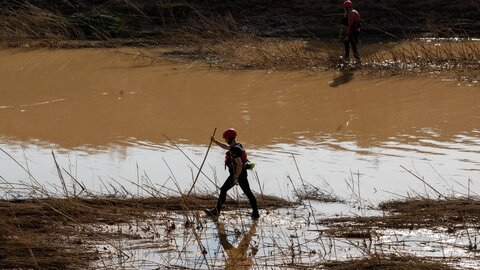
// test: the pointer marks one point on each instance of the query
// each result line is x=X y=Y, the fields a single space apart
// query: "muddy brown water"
x=103 y=113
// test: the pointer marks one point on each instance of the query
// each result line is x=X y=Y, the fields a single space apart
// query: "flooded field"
x=108 y=117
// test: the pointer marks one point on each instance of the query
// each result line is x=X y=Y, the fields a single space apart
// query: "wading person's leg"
x=346 y=43
x=223 y=193
x=354 y=42
x=243 y=182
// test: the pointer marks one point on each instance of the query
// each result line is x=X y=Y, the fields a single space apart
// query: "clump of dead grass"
x=279 y=54
x=423 y=55
x=349 y=233
x=247 y=51
x=23 y=22
x=310 y=192
x=41 y=213
x=453 y=214
x=53 y=232
x=388 y=262
x=429 y=212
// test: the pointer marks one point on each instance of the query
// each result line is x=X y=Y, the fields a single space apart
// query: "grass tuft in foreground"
x=53 y=232
x=391 y=262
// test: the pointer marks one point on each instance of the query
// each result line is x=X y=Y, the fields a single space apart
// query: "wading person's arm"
x=238 y=170
x=222 y=145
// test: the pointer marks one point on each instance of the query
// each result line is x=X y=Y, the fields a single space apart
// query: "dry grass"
x=26 y=22
x=452 y=213
x=252 y=52
x=391 y=262
x=434 y=212
x=415 y=57
x=424 y=55
x=51 y=233
x=449 y=214
x=34 y=231
x=220 y=39
x=258 y=53
x=349 y=232
x=40 y=213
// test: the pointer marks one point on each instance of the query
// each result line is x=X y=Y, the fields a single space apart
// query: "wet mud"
x=136 y=233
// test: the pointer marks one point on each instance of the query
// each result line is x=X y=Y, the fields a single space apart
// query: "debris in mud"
x=415 y=213
x=313 y=193
x=33 y=231
x=350 y=233
x=89 y=231
x=391 y=262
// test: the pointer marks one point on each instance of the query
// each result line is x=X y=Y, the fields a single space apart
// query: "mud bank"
x=59 y=233
x=112 y=232
x=218 y=19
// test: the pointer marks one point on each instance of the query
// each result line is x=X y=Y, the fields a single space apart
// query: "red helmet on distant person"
x=229 y=134
x=347 y=4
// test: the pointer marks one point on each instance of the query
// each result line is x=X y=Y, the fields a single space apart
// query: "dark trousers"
x=243 y=182
x=352 y=41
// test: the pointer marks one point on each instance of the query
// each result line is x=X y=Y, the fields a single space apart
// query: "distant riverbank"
x=184 y=22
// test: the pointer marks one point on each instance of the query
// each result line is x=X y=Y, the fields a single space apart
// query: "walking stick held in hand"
x=200 y=169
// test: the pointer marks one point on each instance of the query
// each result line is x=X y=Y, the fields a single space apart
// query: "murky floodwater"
x=103 y=113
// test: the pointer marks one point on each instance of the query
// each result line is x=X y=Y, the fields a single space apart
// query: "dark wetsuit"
x=236 y=151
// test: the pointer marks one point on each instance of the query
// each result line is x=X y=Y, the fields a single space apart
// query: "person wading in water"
x=237 y=163
x=351 y=19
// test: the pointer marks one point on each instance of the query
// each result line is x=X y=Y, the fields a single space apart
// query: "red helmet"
x=229 y=134
x=347 y=4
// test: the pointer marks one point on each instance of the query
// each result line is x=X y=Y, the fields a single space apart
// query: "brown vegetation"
x=392 y=262
x=448 y=214
x=451 y=213
x=53 y=232
x=224 y=35
x=248 y=52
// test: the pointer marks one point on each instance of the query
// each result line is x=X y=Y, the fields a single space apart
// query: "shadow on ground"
x=345 y=77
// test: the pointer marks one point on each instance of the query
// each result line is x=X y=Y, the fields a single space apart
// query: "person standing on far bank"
x=237 y=163
x=351 y=19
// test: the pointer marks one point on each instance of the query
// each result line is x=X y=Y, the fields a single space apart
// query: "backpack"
x=243 y=155
x=356 y=25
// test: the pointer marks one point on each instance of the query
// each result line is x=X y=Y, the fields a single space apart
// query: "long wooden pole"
x=189 y=159
x=200 y=169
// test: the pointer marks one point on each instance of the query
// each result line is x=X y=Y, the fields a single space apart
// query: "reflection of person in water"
x=237 y=257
